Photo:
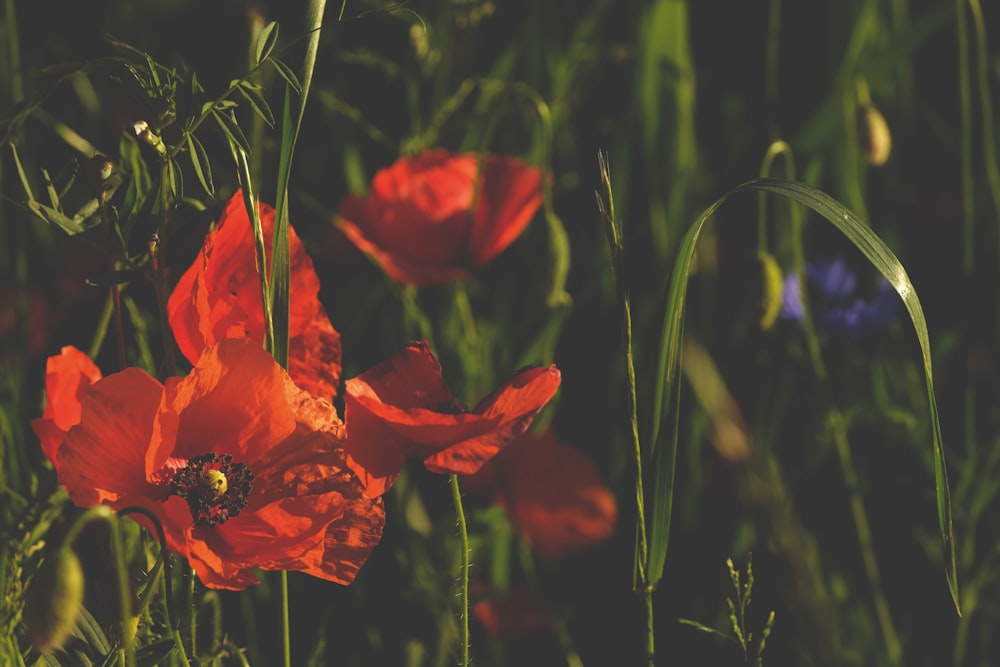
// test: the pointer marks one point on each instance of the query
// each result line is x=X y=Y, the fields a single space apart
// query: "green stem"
x=158 y=250
x=169 y=615
x=126 y=653
x=192 y=617
x=463 y=534
x=893 y=646
x=606 y=204
x=965 y=144
x=286 y=641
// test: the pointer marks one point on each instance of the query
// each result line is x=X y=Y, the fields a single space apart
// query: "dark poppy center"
x=214 y=487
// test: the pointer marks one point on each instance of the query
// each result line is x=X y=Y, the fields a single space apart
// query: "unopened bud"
x=772 y=290
x=54 y=600
x=873 y=135
x=140 y=129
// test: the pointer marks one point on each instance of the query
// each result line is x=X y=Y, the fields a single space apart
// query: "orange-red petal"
x=219 y=297
x=510 y=196
x=514 y=406
x=402 y=409
x=102 y=458
x=67 y=376
x=305 y=509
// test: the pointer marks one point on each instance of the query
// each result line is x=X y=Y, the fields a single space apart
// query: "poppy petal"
x=234 y=402
x=510 y=196
x=101 y=460
x=219 y=297
x=515 y=404
x=554 y=494
x=67 y=376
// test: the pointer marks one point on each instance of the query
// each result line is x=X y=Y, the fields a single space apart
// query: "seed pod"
x=54 y=600
x=873 y=135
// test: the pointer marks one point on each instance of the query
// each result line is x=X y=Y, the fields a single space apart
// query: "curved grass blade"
x=666 y=392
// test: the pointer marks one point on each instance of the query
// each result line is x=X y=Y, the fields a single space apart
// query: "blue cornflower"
x=839 y=310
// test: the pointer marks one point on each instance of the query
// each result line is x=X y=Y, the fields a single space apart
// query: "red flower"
x=402 y=409
x=219 y=297
x=243 y=468
x=67 y=376
x=515 y=614
x=432 y=218
x=552 y=492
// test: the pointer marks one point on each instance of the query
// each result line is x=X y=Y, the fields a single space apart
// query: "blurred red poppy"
x=67 y=376
x=243 y=468
x=552 y=492
x=433 y=218
x=401 y=408
x=219 y=297
x=515 y=614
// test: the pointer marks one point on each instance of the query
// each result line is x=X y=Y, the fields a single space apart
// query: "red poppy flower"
x=401 y=408
x=516 y=614
x=552 y=492
x=219 y=297
x=67 y=376
x=432 y=218
x=243 y=468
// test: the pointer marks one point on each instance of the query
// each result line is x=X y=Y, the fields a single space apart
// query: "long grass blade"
x=666 y=391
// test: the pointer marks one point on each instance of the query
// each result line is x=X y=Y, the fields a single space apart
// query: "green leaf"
x=232 y=130
x=257 y=101
x=176 y=179
x=266 y=41
x=200 y=162
x=666 y=394
x=287 y=74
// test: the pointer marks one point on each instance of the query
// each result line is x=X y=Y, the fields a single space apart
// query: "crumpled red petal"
x=401 y=409
x=219 y=297
x=67 y=376
x=306 y=510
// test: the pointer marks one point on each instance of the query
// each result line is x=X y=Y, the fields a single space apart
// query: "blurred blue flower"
x=839 y=310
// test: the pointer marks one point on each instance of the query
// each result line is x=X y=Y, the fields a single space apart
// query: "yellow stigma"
x=216 y=481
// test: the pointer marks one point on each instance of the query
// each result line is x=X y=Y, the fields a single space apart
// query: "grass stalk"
x=463 y=534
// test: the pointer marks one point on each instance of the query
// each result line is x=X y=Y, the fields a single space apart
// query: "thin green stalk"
x=771 y=60
x=101 y=330
x=253 y=213
x=160 y=270
x=986 y=107
x=126 y=650
x=170 y=617
x=463 y=535
x=116 y=295
x=192 y=617
x=606 y=205
x=965 y=143
x=414 y=314
x=13 y=52
x=894 y=648
x=858 y=513
x=776 y=149
x=286 y=639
